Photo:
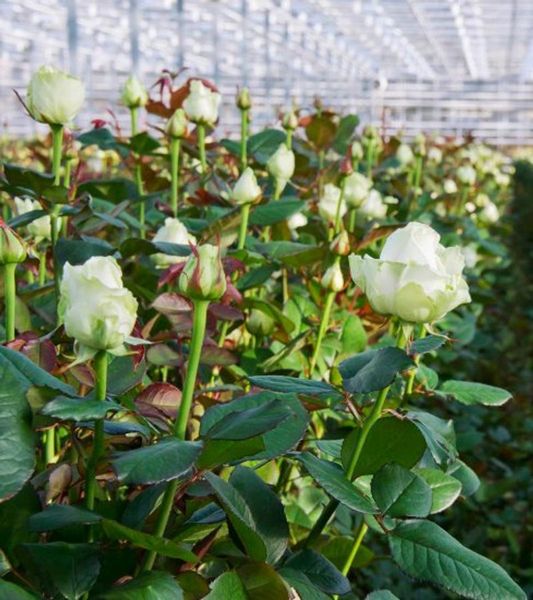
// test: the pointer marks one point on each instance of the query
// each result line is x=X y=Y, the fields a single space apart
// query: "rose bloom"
x=356 y=189
x=281 y=164
x=246 y=190
x=95 y=307
x=415 y=278
x=329 y=203
x=373 y=207
x=172 y=232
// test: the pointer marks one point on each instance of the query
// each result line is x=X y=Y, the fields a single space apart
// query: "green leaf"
x=136 y=246
x=427 y=377
x=10 y=591
x=115 y=190
x=61 y=515
x=243 y=424
x=266 y=509
x=320 y=571
x=389 y=440
x=240 y=516
x=427 y=344
x=17 y=458
x=445 y=488
x=400 y=493
x=155 y=585
x=262 y=145
x=373 y=370
x=292 y=254
x=345 y=131
x=470 y=392
x=28 y=179
x=255 y=277
x=103 y=138
x=438 y=433
x=294 y=385
x=220 y=452
x=76 y=252
x=425 y=551
x=321 y=131
x=381 y=595
x=28 y=373
x=228 y=585
x=353 y=336
x=78 y=409
x=117 y=531
x=14 y=514
x=468 y=478
x=143 y=143
x=275 y=211
x=276 y=442
x=71 y=569
x=306 y=589
x=332 y=478
x=271 y=310
x=138 y=509
x=169 y=459
x=262 y=582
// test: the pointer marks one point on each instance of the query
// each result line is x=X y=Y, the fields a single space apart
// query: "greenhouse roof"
x=451 y=66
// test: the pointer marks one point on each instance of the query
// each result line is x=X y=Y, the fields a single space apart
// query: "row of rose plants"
x=214 y=379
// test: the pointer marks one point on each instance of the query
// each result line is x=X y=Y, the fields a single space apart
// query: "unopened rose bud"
x=404 y=154
x=357 y=151
x=290 y=121
x=246 y=189
x=333 y=279
x=54 y=97
x=420 y=145
x=259 y=323
x=466 y=175
x=281 y=165
x=341 y=244
x=177 y=124
x=370 y=132
x=201 y=105
x=244 y=100
x=134 y=94
x=203 y=276
x=12 y=246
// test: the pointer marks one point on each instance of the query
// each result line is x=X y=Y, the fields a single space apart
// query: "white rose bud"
x=297 y=220
x=12 y=246
x=39 y=228
x=373 y=206
x=172 y=232
x=450 y=187
x=357 y=151
x=489 y=213
x=281 y=164
x=201 y=105
x=244 y=100
x=259 y=323
x=356 y=189
x=333 y=279
x=290 y=121
x=95 y=307
x=435 y=155
x=177 y=124
x=404 y=154
x=203 y=276
x=329 y=203
x=466 y=175
x=415 y=278
x=134 y=94
x=341 y=244
x=246 y=190
x=54 y=97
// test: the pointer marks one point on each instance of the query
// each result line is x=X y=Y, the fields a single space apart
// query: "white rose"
x=297 y=220
x=489 y=213
x=328 y=205
x=373 y=207
x=333 y=279
x=281 y=165
x=134 y=94
x=54 y=97
x=356 y=189
x=471 y=256
x=95 y=307
x=415 y=278
x=172 y=232
x=177 y=124
x=357 y=151
x=435 y=155
x=201 y=105
x=450 y=187
x=466 y=175
x=404 y=154
x=39 y=228
x=246 y=190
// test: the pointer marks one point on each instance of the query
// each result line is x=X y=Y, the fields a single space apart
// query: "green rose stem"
x=324 y=322
x=174 y=173
x=361 y=532
x=465 y=189
x=57 y=146
x=412 y=373
x=370 y=156
x=288 y=139
x=42 y=267
x=200 y=134
x=100 y=368
x=243 y=228
x=10 y=287
x=138 y=173
x=180 y=426
x=375 y=415
x=244 y=137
